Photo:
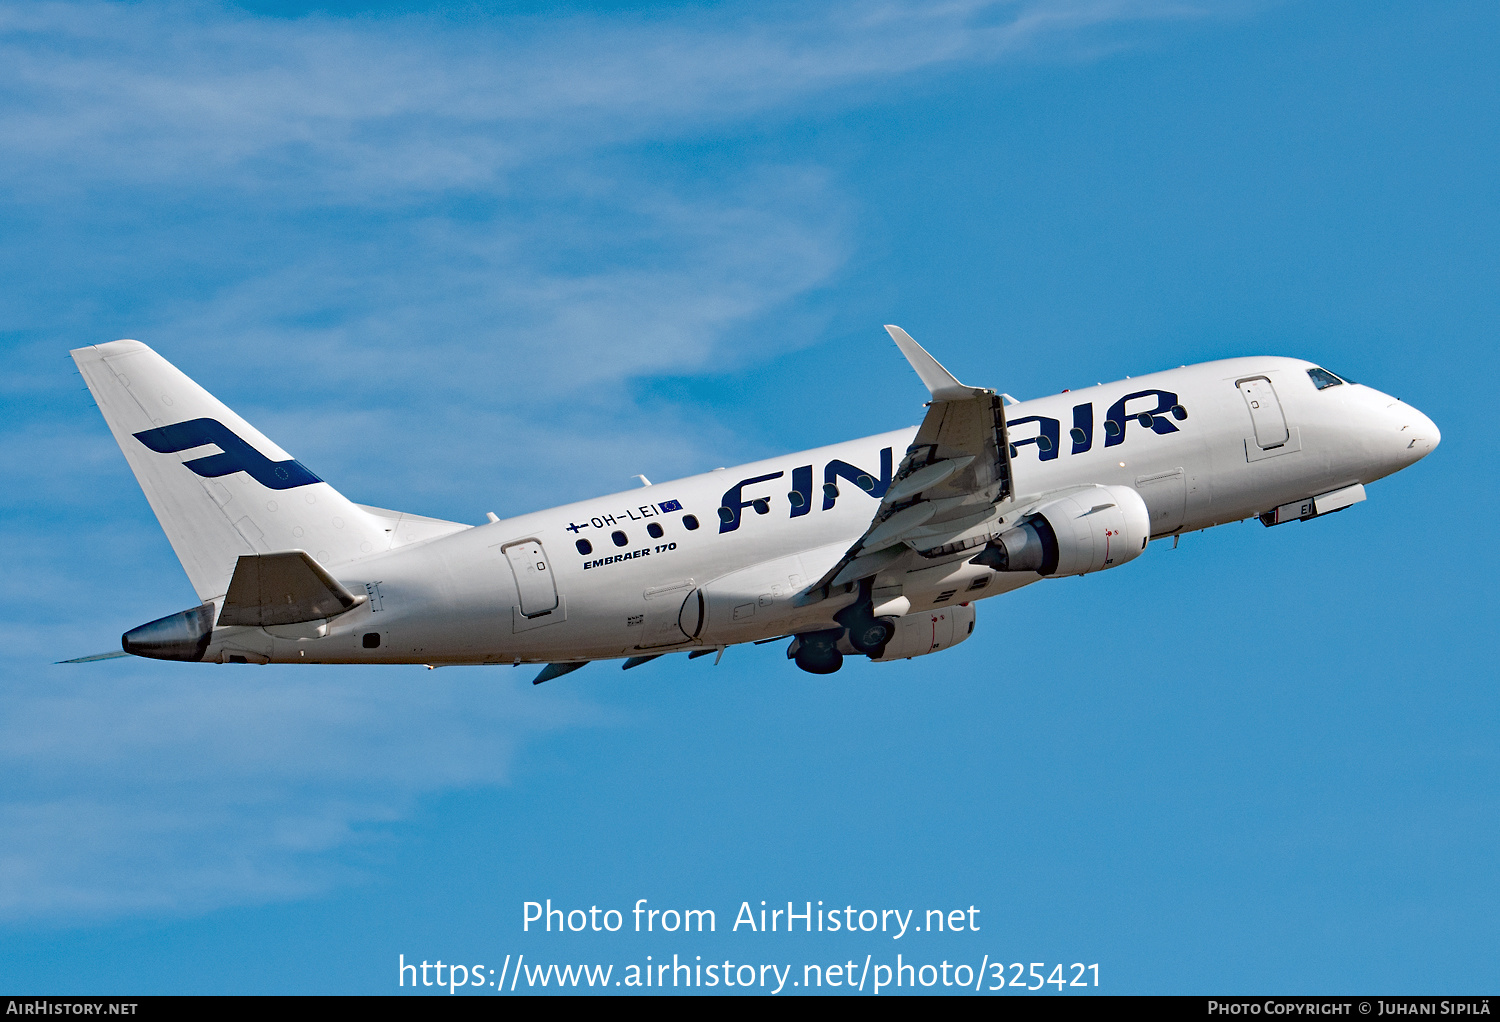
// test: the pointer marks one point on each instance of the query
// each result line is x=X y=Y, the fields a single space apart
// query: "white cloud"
x=509 y=308
x=160 y=792
x=189 y=93
x=287 y=185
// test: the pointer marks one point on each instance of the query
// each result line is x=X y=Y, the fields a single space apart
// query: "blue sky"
x=474 y=257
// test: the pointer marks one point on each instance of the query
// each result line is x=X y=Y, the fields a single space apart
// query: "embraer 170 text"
x=875 y=547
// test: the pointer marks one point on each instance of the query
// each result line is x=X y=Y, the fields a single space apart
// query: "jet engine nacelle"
x=923 y=632
x=1088 y=530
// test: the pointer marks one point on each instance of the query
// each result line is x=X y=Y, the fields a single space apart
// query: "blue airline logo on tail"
x=237 y=456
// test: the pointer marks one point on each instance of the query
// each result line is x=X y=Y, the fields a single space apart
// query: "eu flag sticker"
x=670 y=505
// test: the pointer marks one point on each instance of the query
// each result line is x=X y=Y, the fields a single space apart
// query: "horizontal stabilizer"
x=283 y=589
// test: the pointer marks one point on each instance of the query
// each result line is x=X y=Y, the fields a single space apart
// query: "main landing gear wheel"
x=817 y=652
x=867 y=634
x=870 y=637
x=819 y=660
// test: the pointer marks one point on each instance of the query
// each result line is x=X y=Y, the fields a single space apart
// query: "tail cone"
x=181 y=636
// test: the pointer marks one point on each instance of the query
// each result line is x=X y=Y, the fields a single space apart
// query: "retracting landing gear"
x=868 y=634
x=817 y=652
x=860 y=632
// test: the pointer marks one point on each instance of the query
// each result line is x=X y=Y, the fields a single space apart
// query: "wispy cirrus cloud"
x=415 y=103
x=473 y=207
x=154 y=792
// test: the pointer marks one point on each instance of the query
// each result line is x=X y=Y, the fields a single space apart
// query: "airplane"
x=877 y=547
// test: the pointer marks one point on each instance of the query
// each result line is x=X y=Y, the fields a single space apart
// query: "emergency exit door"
x=534 y=580
x=1265 y=412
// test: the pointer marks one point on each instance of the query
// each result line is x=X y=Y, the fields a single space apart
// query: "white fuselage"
x=1257 y=433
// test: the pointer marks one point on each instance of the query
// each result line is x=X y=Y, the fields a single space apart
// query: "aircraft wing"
x=944 y=496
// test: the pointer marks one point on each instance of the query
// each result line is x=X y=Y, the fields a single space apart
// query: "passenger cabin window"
x=1323 y=379
x=654 y=530
x=690 y=522
x=619 y=538
x=584 y=547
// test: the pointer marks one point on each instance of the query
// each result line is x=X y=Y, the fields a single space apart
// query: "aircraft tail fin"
x=220 y=489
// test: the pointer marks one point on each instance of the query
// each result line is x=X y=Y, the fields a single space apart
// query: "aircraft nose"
x=1418 y=434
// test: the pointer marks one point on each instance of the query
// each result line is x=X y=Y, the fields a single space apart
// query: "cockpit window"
x=1323 y=379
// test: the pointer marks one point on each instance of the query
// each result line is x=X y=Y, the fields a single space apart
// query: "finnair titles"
x=878 y=547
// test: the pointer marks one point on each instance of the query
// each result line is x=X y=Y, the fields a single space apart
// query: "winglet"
x=942 y=384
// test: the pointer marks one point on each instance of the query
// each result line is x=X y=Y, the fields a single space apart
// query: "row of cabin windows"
x=1111 y=428
x=653 y=529
x=796 y=498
